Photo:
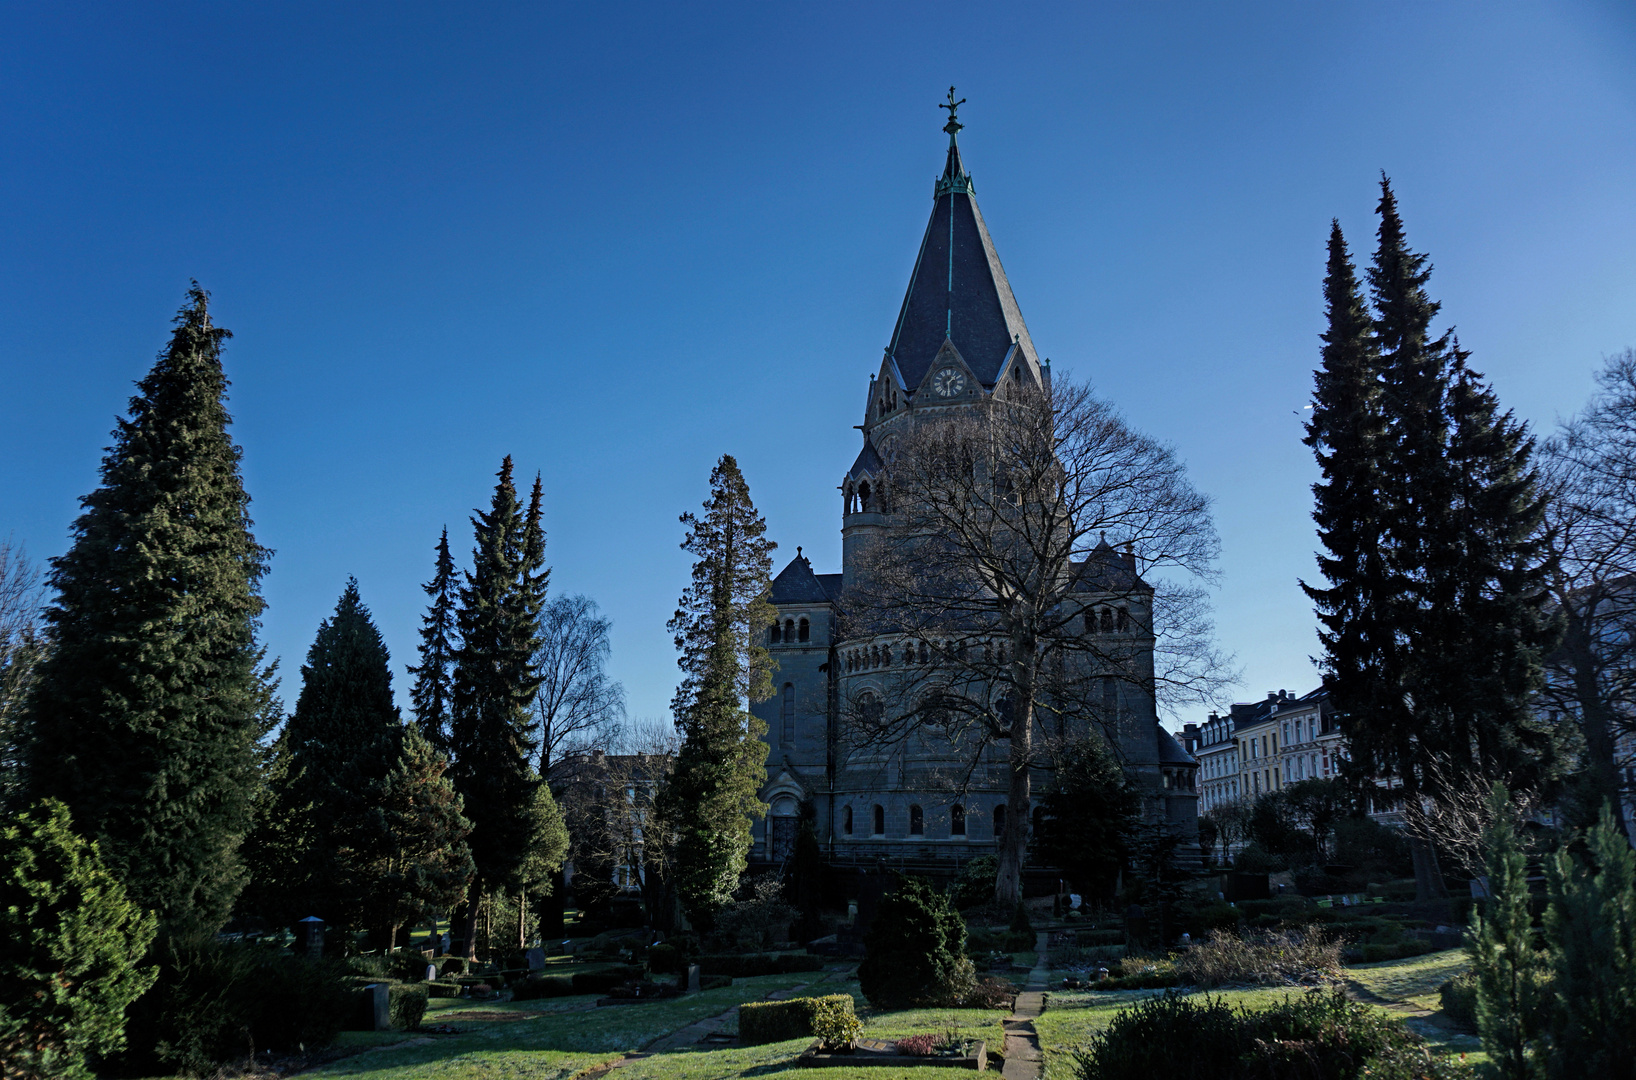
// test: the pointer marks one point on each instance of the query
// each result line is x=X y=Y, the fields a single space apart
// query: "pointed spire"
x=954 y=178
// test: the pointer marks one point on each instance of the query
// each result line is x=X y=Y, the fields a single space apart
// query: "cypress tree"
x=432 y=690
x=712 y=795
x=517 y=833
x=341 y=742
x=149 y=701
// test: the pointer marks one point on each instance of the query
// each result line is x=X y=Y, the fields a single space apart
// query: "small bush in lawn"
x=991 y=993
x=1458 y=997
x=916 y=950
x=834 y=1022
x=775 y=1021
x=407 y=1004
x=439 y=989
x=1289 y=957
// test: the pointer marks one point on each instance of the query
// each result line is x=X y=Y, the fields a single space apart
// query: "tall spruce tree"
x=1429 y=510
x=341 y=742
x=432 y=690
x=149 y=700
x=712 y=795
x=517 y=833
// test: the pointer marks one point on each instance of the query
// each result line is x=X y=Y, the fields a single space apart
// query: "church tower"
x=959 y=342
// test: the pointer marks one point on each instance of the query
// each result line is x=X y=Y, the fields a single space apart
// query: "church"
x=959 y=338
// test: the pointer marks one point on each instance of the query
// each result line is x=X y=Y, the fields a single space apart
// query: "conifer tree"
x=712 y=795
x=149 y=701
x=517 y=833
x=1508 y=966
x=341 y=742
x=419 y=862
x=432 y=690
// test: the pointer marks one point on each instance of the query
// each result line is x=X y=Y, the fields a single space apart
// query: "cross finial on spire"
x=953 y=125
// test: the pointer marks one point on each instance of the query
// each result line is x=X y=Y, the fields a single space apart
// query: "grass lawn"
x=1407 y=985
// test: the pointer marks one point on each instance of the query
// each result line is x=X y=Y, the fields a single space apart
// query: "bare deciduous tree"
x=1458 y=819
x=577 y=705
x=1591 y=481
x=21 y=599
x=995 y=595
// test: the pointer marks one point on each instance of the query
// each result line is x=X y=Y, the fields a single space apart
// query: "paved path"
x=1023 y=1060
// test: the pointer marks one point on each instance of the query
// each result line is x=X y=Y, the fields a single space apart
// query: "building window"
x=957 y=820
x=846 y=821
x=789 y=714
x=1107 y=620
x=776 y=636
x=789 y=630
x=806 y=631
x=999 y=820
x=917 y=821
x=1124 y=620
x=1090 y=622
x=880 y=820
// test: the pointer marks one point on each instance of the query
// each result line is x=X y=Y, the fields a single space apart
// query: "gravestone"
x=692 y=976
x=309 y=938
x=374 y=1009
x=536 y=959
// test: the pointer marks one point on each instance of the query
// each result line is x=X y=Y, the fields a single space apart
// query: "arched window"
x=870 y=708
x=908 y=652
x=776 y=636
x=789 y=630
x=925 y=653
x=789 y=714
x=863 y=497
x=880 y=820
x=874 y=656
x=999 y=820
x=917 y=821
x=805 y=632
x=1090 y=622
x=1124 y=620
x=1107 y=620
x=957 y=820
x=846 y=821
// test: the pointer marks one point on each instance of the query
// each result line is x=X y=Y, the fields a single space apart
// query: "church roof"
x=868 y=463
x=797 y=584
x=1171 y=752
x=958 y=291
x=1106 y=569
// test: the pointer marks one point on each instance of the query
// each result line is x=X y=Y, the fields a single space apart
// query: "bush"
x=1319 y=1036
x=834 y=1022
x=1459 y=999
x=1255 y=859
x=73 y=946
x=975 y=885
x=664 y=960
x=441 y=989
x=543 y=986
x=982 y=940
x=1375 y=953
x=753 y=964
x=775 y=1021
x=991 y=993
x=406 y=965
x=916 y=950
x=451 y=965
x=407 y=1003
x=600 y=982
x=1278 y=957
x=760 y=917
x=1100 y=937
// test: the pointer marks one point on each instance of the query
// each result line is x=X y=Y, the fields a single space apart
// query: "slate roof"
x=868 y=463
x=797 y=584
x=1171 y=751
x=958 y=290
x=832 y=586
x=1108 y=570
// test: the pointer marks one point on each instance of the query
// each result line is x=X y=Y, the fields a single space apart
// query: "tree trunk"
x=1014 y=842
x=522 y=918
x=466 y=921
x=1428 y=875
x=1595 y=718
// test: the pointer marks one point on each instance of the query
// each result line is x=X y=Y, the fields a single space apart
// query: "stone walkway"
x=1023 y=1060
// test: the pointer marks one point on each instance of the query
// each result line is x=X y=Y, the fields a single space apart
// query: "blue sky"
x=617 y=241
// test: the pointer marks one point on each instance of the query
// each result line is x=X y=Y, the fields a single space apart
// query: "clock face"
x=948 y=382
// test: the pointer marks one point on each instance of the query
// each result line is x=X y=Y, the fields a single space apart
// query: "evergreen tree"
x=712 y=795
x=149 y=701
x=1504 y=957
x=74 y=943
x=432 y=690
x=341 y=743
x=419 y=861
x=1088 y=815
x=517 y=834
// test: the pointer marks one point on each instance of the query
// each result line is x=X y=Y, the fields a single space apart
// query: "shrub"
x=407 y=965
x=1318 y=1036
x=542 y=986
x=753 y=964
x=664 y=959
x=442 y=989
x=916 y=950
x=918 y=1045
x=407 y=1002
x=975 y=885
x=1459 y=999
x=774 y=1021
x=714 y=982
x=834 y=1022
x=600 y=982
x=73 y=948
x=983 y=940
x=451 y=965
x=1255 y=859
x=762 y=915
x=1277 y=957
x=991 y=993
x=1374 y=953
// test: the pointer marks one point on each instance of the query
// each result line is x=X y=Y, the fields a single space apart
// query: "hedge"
x=442 y=989
x=407 y=1002
x=748 y=966
x=664 y=959
x=600 y=982
x=543 y=986
x=775 y=1021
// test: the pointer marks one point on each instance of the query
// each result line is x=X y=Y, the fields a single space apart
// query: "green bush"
x=542 y=986
x=1459 y=999
x=1320 y=1035
x=714 y=982
x=407 y=1002
x=753 y=964
x=775 y=1021
x=441 y=989
x=834 y=1022
x=984 y=940
x=407 y=965
x=664 y=959
x=451 y=965
x=74 y=945
x=975 y=885
x=916 y=950
x=1255 y=859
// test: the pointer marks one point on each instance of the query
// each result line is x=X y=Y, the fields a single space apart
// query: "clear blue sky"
x=617 y=241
